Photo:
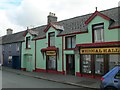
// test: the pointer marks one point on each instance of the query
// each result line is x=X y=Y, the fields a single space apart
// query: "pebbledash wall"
x=40 y=57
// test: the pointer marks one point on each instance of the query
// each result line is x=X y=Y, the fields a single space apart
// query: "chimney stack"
x=51 y=18
x=9 y=31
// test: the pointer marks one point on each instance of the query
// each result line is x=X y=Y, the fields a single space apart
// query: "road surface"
x=12 y=80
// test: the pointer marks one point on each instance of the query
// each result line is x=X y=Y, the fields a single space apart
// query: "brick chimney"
x=51 y=18
x=9 y=31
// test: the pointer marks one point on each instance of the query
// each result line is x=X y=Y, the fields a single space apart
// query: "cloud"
x=18 y=14
x=5 y=24
x=9 y=4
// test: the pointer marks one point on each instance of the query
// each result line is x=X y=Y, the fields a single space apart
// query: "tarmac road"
x=12 y=80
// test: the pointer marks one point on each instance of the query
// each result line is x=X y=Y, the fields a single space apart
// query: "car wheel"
x=110 y=88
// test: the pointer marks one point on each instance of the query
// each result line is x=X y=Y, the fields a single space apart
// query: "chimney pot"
x=51 y=17
x=9 y=31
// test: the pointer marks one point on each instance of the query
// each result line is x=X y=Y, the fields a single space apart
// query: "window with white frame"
x=98 y=32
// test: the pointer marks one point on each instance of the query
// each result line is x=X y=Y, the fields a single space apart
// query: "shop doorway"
x=51 y=63
x=70 y=64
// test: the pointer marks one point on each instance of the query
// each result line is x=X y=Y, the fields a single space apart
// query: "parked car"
x=111 y=80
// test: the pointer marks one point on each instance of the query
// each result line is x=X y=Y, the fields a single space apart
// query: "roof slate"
x=13 y=38
x=72 y=25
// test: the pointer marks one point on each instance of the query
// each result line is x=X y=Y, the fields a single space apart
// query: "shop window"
x=86 y=64
x=70 y=42
x=51 y=39
x=98 y=33
x=114 y=60
x=27 y=42
x=99 y=64
x=51 y=63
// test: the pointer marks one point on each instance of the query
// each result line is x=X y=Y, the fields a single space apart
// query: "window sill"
x=98 y=41
x=27 y=48
x=69 y=49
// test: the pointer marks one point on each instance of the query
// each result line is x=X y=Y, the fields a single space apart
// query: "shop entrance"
x=70 y=64
x=51 y=63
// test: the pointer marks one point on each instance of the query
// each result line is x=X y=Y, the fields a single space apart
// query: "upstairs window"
x=98 y=31
x=27 y=42
x=51 y=39
x=70 y=42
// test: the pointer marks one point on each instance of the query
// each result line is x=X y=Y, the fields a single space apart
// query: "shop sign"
x=112 y=50
x=51 y=53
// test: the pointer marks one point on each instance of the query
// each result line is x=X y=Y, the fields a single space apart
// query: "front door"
x=29 y=63
x=70 y=64
x=15 y=62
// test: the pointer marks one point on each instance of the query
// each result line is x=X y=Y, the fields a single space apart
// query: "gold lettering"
x=100 y=50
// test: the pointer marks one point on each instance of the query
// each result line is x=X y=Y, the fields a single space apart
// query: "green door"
x=29 y=63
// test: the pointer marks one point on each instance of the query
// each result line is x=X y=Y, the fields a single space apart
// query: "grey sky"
x=19 y=14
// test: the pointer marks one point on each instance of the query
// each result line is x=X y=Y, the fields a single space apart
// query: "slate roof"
x=12 y=38
x=72 y=25
x=77 y=24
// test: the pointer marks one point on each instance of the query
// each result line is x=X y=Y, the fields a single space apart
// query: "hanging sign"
x=112 y=50
x=51 y=53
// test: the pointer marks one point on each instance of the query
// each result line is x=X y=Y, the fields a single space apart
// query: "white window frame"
x=98 y=27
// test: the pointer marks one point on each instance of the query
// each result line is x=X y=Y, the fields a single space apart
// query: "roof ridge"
x=88 y=14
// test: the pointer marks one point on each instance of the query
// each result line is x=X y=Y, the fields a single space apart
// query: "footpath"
x=65 y=79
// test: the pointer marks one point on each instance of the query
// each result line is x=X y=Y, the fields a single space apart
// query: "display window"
x=86 y=64
x=99 y=64
x=114 y=59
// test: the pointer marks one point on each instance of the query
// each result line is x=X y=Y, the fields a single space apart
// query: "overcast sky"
x=19 y=14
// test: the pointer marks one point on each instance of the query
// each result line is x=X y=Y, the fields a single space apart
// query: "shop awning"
x=49 y=49
x=99 y=44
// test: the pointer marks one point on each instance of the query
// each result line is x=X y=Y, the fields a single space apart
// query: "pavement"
x=65 y=79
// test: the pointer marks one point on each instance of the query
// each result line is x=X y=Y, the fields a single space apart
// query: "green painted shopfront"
x=85 y=46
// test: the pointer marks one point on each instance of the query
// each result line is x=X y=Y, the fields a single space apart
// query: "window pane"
x=73 y=42
x=68 y=42
x=52 y=39
x=86 y=63
x=98 y=33
x=99 y=64
x=27 y=42
x=118 y=74
x=113 y=60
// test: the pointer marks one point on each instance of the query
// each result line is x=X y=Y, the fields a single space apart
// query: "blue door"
x=15 y=62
